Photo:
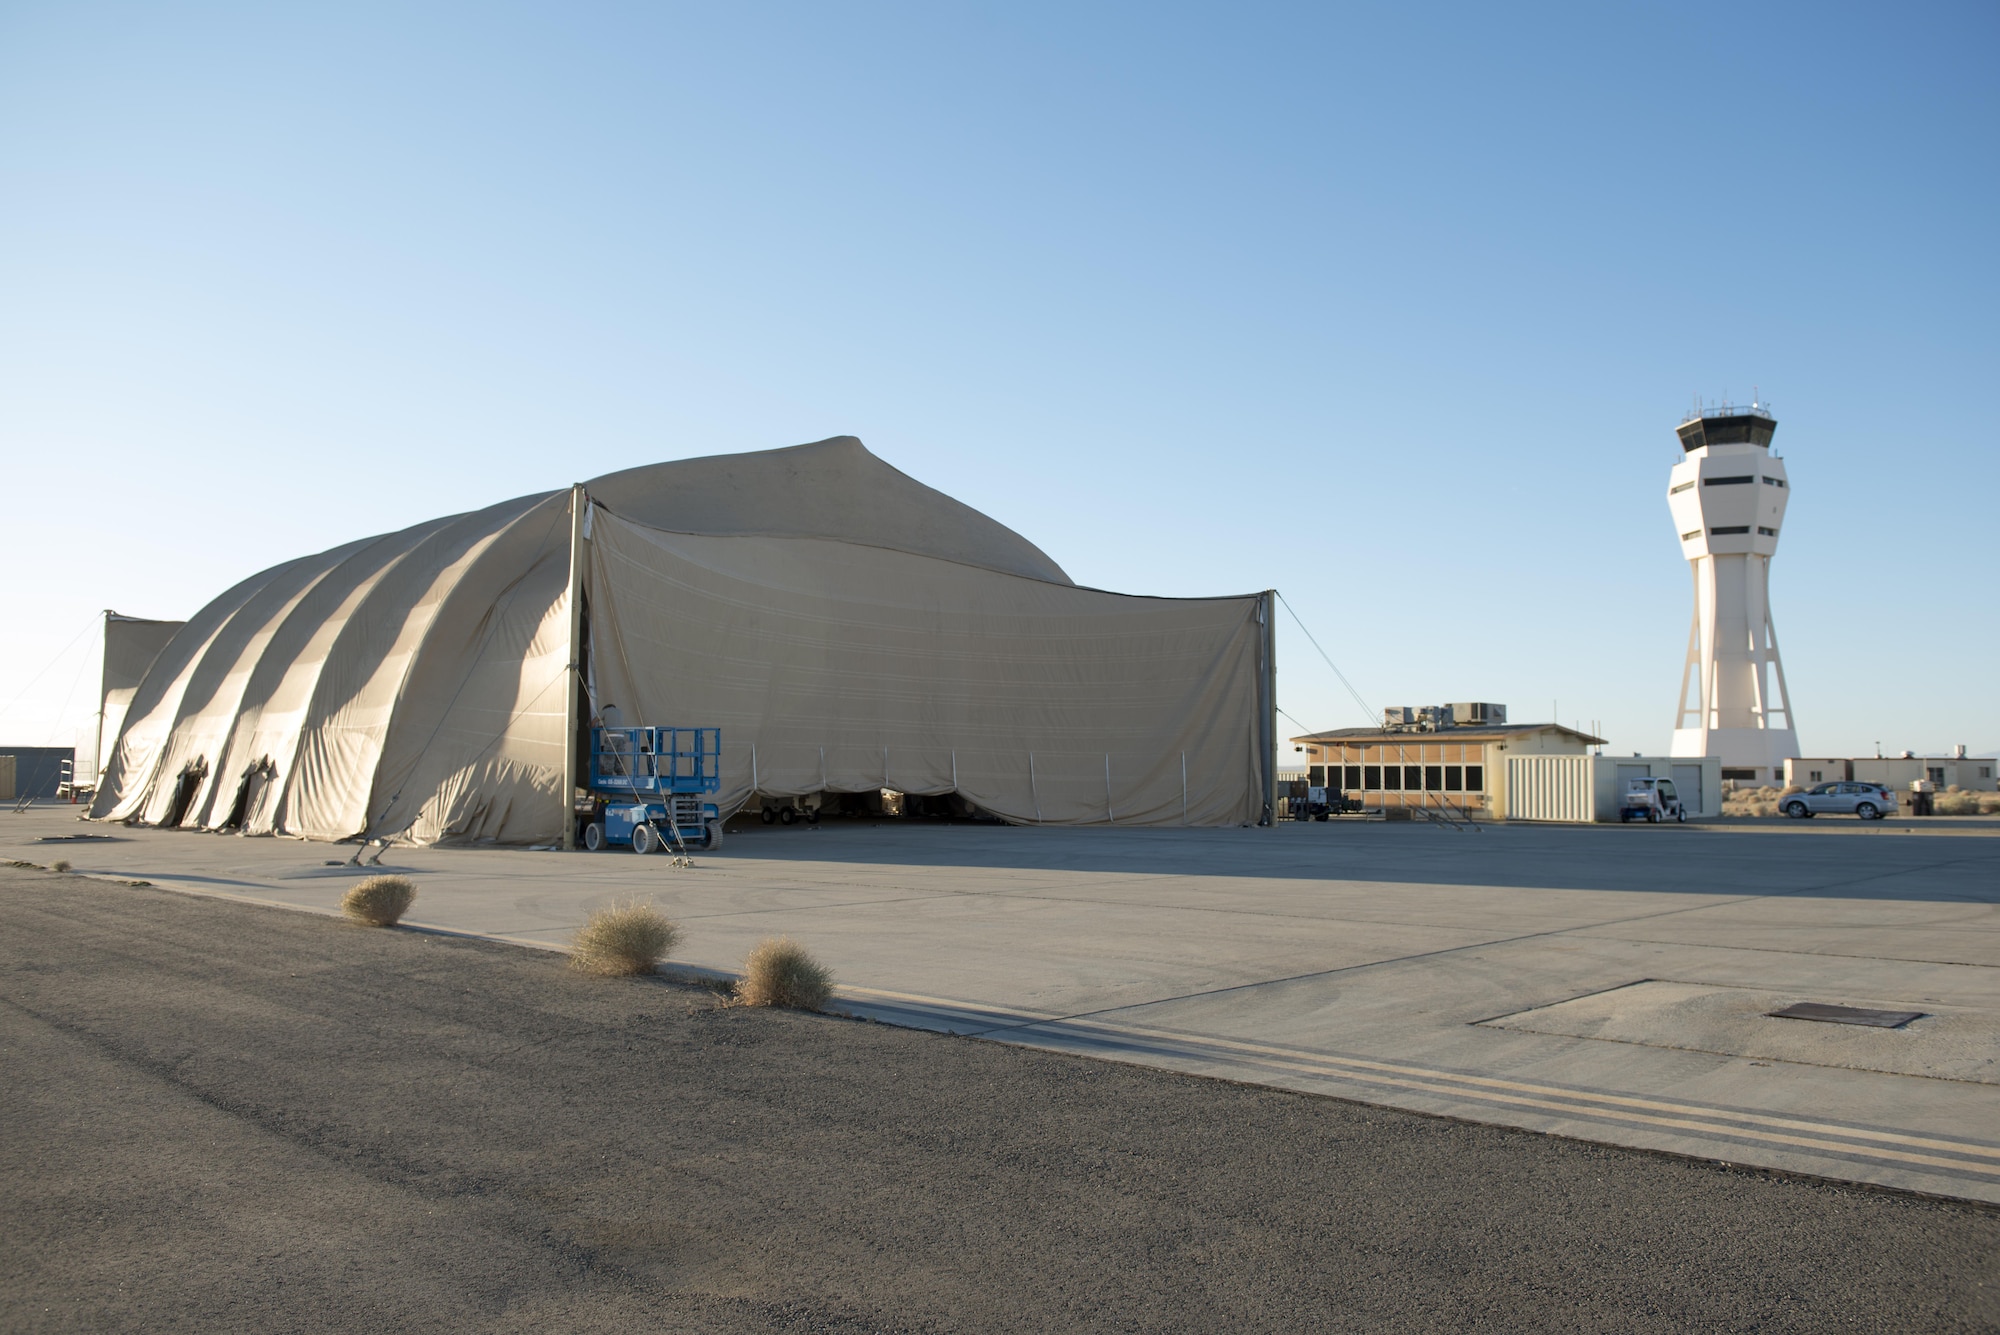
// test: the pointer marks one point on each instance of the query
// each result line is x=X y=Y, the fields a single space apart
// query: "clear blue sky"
x=1392 y=307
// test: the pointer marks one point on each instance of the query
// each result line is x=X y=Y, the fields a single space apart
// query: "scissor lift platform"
x=647 y=786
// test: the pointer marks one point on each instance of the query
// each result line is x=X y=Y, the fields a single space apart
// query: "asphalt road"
x=219 y=1117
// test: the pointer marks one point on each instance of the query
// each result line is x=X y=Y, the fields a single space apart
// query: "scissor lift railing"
x=655 y=762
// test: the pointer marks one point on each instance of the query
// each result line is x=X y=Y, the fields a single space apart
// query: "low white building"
x=1974 y=774
x=1591 y=788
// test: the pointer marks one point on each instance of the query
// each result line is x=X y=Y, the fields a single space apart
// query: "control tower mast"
x=1728 y=499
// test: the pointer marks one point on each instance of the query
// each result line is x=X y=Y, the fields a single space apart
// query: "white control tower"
x=1728 y=501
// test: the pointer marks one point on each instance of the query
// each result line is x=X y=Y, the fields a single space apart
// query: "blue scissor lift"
x=649 y=783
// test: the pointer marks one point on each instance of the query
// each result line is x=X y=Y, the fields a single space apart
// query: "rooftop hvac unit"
x=1401 y=716
x=1476 y=712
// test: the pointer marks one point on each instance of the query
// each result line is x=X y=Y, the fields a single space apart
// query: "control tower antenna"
x=1727 y=496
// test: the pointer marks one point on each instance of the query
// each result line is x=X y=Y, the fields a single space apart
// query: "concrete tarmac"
x=1606 y=983
x=219 y=1117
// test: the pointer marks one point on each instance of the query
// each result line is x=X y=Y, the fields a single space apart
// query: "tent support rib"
x=1267 y=717
x=579 y=500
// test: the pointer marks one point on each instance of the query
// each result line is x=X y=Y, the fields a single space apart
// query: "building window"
x=1727 y=481
x=1675 y=491
x=1475 y=778
x=1372 y=778
x=1413 y=778
x=1434 y=778
x=1738 y=528
x=1935 y=773
x=1775 y=481
x=1690 y=537
x=1353 y=777
x=1814 y=776
x=1316 y=776
x=1985 y=771
x=1454 y=778
x=1740 y=775
x=1767 y=532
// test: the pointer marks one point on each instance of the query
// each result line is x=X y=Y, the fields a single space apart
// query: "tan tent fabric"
x=833 y=489
x=288 y=700
x=837 y=666
x=857 y=631
x=130 y=646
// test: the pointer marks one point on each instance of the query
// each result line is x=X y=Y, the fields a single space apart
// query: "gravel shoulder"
x=220 y=1117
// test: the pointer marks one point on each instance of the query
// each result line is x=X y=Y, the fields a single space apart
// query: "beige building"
x=1459 y=767
x=1975 y=774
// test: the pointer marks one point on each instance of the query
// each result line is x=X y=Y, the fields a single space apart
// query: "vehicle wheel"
x=714 y=836
x=645 y=839
x=1320 y=817
x=768 y=816
x=1681 y=816
x=1868 y=811
x=1624 y=817
x=1797 y=810
x=812 y=817
x=593 y=836
x=1653 y=816
x=788 y=815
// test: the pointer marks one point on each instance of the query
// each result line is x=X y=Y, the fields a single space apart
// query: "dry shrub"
x=1956 y=803
x=59 y=865
x=1750 y=802
x=379 y=901
x=623 y=939
x=780 y=973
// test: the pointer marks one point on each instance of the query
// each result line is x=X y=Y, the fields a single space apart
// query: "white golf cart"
x=1651 y=800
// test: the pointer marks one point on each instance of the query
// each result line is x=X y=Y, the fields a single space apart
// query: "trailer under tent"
x=848 y=629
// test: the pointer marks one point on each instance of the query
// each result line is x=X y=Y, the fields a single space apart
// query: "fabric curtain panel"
x=832 y=665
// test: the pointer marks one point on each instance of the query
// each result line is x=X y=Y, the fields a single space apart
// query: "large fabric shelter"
x=847 y=627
